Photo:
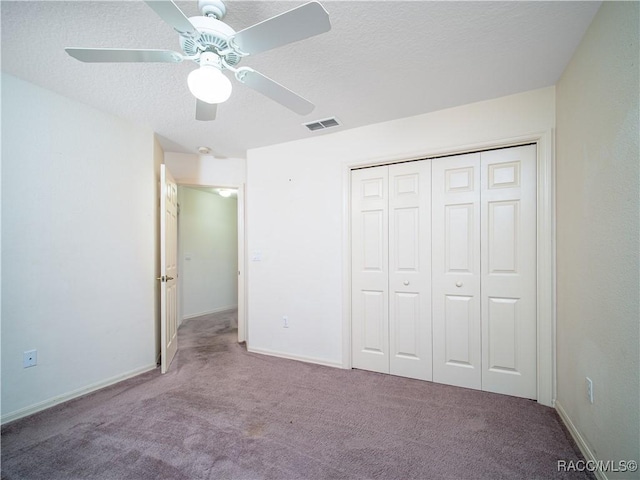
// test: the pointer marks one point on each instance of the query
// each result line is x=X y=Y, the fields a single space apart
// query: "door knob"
x=406 y=282
x=169 y=278
x=458 y=284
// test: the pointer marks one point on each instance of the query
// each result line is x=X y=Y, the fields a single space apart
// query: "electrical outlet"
x=285 y=322
x=29 y=358
x=589 y=389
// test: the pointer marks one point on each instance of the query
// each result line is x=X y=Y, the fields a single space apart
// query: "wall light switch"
x=256 y=256
x=589 y=389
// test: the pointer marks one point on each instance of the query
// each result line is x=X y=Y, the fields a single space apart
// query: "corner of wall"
x=598 y=282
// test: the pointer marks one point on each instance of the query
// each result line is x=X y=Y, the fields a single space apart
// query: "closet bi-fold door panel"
x=456 y=270
x=410 y=270
x=391 y=291
x=370 y=269
x=508 y=259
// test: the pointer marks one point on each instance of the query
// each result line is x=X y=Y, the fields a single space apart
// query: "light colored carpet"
x=224 y=413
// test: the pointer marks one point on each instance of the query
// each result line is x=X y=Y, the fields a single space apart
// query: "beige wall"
x=190 y=169
x=78 y=238
x=598 y=235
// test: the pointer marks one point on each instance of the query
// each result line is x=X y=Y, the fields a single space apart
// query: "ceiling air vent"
x=322 y=124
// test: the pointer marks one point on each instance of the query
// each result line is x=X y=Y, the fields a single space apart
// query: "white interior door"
x=410 y=270
x=168 y=268
x=508 y=202
x=370 y=269
x=456 y=270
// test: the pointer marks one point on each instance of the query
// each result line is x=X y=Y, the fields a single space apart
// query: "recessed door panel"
x=373 y=188
x=458 y=180
x=504 y=175
x=406 y=184
x=373 y=322
x=459 y=238
x=459 y=318
x=502 y=332
x=373 y=240
x=407 y=325
x=502 y=231
x=406 y=239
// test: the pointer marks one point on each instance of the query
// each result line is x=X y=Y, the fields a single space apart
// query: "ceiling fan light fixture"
x=215 y=46
x=208 y=83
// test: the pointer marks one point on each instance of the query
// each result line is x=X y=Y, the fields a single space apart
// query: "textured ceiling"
x=380 y=61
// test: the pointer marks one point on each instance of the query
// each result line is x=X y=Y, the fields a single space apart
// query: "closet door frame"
x=545 y=246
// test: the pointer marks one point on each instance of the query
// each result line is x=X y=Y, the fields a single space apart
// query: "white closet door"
x=508 y=236
x=456 y=270
x=410 y=270
x=370 y=269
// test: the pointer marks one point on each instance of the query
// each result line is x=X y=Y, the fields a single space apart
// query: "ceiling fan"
x=215 y=46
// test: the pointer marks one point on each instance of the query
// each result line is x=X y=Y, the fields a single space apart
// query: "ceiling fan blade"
x=297 y=24
x=274 y=91
x=123 y=55
x=206 y=111
x=170 y=13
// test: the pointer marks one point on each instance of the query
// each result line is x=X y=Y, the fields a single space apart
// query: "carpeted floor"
x=224 y=413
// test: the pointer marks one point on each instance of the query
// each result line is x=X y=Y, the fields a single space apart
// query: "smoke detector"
x=204 y=150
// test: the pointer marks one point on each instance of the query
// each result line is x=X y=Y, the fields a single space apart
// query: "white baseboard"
x=577 y=437
x=37 y=407
x=215 y=310
x=299 y=358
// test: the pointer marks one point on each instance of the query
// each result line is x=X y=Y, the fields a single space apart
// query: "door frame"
x=242 y=256
x=545 y=246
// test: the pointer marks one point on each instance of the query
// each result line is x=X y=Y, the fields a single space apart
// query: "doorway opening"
x=211 y=253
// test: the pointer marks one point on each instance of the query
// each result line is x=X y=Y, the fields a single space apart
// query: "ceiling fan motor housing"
x=214 y=37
